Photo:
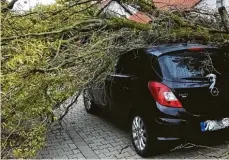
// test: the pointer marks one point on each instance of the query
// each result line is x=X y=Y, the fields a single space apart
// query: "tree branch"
x=9 y=6
x=77 y=27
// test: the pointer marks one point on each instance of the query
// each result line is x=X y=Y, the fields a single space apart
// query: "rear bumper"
x=177 y=125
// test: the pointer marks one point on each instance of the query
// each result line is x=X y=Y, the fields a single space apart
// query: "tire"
x=88 y=102
x=143 y=138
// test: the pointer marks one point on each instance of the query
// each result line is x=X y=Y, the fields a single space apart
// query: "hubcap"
x=139 y=133
x=87 y=100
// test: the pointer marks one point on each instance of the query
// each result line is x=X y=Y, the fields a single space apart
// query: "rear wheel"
x=142 y=136
x=88 y=101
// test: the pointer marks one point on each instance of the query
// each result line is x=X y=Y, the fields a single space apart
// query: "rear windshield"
x=186 y=64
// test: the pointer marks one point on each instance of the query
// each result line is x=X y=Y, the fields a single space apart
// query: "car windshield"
x=193 y=65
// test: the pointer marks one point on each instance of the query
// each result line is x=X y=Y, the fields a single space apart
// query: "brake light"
x=196 y=49
x=163 y=95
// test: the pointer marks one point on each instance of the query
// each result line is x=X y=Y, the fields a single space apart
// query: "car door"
x=114 y=91
x=120 y=84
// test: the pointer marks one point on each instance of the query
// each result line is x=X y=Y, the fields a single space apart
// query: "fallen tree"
x=52 y=52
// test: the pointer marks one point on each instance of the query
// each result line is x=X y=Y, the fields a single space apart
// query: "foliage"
x=44 y=59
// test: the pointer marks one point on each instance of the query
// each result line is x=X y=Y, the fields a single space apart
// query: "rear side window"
x=187 y=64
x=128 y=63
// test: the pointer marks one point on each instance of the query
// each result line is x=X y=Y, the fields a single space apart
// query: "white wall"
x=211 y=5
x=26 y=5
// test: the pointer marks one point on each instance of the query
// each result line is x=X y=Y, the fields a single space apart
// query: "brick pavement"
x=85 y=136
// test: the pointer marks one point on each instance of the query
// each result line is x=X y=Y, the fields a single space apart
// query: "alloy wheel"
x=139 y=133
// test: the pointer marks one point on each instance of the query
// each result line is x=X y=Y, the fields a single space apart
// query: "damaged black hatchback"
x=166 y=93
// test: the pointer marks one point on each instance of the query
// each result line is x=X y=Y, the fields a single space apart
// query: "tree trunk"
x=224 y=16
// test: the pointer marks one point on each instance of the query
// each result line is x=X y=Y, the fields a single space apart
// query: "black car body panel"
x=126 y=90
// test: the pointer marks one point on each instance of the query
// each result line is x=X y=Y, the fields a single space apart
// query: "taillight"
x=163 y=95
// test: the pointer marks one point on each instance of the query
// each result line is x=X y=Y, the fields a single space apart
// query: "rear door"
x=121 y=84
x=200 y=80
x=119 y=90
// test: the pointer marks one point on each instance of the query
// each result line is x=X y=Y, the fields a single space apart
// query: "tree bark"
x=224 y=16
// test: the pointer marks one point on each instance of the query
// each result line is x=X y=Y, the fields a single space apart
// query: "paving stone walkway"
x=86 y=136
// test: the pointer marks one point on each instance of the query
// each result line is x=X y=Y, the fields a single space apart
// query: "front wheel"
x=142 y=136
x=88 y=103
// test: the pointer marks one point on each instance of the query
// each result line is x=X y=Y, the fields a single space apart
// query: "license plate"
x=212 y=125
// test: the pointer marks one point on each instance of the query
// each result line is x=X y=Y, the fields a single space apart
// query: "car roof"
x=166 y=48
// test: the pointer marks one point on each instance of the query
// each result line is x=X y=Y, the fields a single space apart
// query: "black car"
x=166 y=93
